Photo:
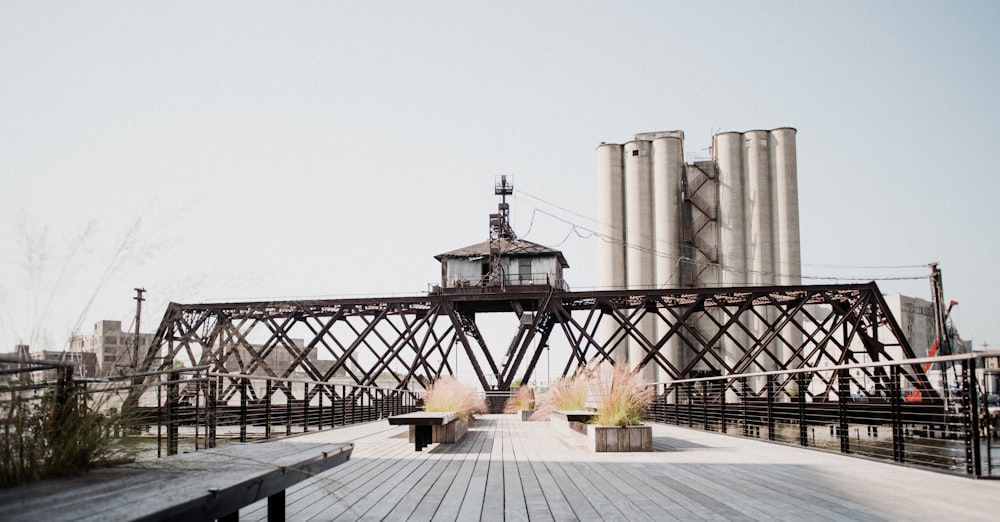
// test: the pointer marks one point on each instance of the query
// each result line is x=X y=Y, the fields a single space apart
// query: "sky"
x=216 y=151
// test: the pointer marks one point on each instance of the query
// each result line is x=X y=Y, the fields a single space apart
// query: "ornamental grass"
x=42 y=438
x=622 y=396
x=447 y=394
x=563 y=395
x=522 y=399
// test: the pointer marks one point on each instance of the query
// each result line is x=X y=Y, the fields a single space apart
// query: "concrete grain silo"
x=730 y=221
x=786 y=205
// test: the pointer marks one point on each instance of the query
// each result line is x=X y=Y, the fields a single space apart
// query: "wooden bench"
x=431 y=426
x=575 y=420
x=205 y=485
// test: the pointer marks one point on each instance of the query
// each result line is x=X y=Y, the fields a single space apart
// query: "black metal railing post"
x=243 y=409
x=896 y=416
x=843 y=394
x=744 y=414
x=970 y=402
x=159 y=419
x=267 y=409
x=65 y=394
x=319 y=392
x=305 y=407
x=801 y=384
x=212 y=411
x=288 y=408
x=769 y=385
x=173 y=404
x=199 y=386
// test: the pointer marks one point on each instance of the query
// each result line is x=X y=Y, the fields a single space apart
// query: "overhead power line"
x=585 y=232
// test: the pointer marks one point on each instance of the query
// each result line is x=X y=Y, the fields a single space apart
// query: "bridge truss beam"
x=407 y=342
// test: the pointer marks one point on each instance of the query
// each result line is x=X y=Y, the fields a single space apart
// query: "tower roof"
x=508 y=248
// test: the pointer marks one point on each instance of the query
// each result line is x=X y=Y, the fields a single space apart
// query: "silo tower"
x=731 y=220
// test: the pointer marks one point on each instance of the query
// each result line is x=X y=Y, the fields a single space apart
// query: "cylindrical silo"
x=639 y=256
x=758 y=208
x=668 y=162
x=786 y=202
x=786 y=191
x=760 y=227
x=610 y=217
x=611 y=226
x=728 y=152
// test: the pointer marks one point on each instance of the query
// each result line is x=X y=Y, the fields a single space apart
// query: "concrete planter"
x=526 y=414
x=620 y=439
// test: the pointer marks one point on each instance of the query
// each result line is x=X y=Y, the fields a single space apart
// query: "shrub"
x=523 y=399
x=43 y=439
x=447 y=394
x=622 y=396
x=563 y=394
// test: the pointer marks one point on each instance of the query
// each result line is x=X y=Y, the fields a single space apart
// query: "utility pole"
x=138 y=315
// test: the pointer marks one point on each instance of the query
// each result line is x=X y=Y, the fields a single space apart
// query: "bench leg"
x=421 y=437
x=276 y=507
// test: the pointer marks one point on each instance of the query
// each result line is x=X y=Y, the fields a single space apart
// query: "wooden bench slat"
x=176 y=488
x=423 y=418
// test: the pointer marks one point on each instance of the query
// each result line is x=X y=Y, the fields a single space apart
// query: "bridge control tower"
x=504 y=263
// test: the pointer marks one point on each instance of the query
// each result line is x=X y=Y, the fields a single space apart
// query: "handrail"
x=814 y=369
x=306 y=381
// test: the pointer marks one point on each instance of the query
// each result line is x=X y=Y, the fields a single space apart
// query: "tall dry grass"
x=42 y=439
x=447 y=394
x=564 y=394
x=622 y=395
x=523 y=399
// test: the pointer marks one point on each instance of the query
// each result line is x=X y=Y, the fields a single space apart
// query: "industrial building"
x=114 y=348
x=729 y=221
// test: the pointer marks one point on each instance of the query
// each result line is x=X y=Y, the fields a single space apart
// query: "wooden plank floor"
x=505 y=469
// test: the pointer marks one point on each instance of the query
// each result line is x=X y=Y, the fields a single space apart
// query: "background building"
x=114 y=349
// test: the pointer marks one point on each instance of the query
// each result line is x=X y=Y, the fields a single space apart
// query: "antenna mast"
x=500 y=231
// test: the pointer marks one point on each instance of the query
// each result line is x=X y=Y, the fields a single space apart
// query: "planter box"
x=526 y=414
x=620 y=439
x=451 y=432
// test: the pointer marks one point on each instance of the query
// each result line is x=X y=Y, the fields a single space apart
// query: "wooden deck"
x=505 y=469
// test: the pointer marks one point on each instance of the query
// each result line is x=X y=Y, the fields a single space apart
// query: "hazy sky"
x=245 y=150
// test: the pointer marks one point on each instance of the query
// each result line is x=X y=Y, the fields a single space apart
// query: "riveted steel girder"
x=407 y=342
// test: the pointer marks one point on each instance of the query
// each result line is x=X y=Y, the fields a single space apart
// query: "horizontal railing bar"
x=818 y=369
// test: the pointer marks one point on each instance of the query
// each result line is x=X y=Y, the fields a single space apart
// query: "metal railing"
x=884 y=411
x=256 y=407
x=188 y=409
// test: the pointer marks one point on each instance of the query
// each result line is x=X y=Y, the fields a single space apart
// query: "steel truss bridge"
x=407 y=342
